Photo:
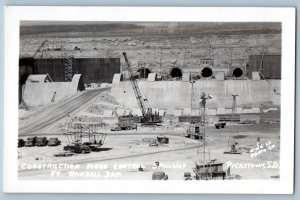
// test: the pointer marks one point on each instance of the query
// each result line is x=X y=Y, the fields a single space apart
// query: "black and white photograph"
x=149 y=100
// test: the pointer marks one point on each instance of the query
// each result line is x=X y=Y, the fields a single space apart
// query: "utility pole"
x=204 y=97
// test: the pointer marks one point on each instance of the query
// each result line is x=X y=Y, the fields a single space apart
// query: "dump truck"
x=125 y=122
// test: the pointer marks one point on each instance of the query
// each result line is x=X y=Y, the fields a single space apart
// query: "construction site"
x=149 y=101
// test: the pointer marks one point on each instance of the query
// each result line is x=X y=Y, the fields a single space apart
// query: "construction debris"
x=108 y=98
x=98 y=108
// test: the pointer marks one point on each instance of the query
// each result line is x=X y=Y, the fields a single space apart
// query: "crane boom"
x=39 y=48
x=135 y=86
x=149 y=118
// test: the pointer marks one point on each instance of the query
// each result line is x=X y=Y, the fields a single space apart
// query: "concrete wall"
x=40 y=93
x=93 y=70
x=177 y=94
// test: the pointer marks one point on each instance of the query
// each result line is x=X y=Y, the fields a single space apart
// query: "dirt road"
x=40 y=120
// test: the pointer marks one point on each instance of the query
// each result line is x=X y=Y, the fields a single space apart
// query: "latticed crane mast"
x=136 y=89
x=148 y=117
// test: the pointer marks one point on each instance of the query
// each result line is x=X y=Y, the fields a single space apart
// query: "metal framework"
x=76 y=130
x=39 y=48
x=68 y=64
x=149 y=118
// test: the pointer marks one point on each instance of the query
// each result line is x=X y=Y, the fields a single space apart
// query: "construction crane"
x=39 y=48
x=148 y=118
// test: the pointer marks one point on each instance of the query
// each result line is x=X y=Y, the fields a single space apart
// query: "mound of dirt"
x=98 y=109
x=107 y=98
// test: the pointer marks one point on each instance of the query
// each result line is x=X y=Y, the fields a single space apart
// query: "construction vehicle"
x=21 y=143
x=77 y=148
x=220 y=125
x=194 y=131
x=158 y=141
x=162 y=139
x=153 y=143
x=233 y=149
x=94 y=146
x=31 y=141
x=41 y=141
x=54 y=142
x=187 y=176
x=125 y=122
x=148 y=117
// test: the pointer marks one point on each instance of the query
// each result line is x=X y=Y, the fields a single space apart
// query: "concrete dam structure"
x=177 y=94
x=220 y=58
x=40 y=90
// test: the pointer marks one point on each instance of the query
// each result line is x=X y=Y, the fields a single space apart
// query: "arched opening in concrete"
x=176 y=72
x=144 y=72
x=80 y=84
x=237 y=72
x=206 y=72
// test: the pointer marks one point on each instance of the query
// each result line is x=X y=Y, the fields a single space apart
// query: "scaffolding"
x=68 y=64
x=80 y=130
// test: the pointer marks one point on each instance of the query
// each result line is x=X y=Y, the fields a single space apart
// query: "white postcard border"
x=15 y=14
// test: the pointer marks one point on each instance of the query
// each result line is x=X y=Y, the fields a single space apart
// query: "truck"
x=125 y=122
x=31 y=141
x=220 y=125
x=162 y=139
x=21 y=143
x=94 y=146
x=41 y=141
x=195 y=131
x=77 y=148
x=54 y=142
